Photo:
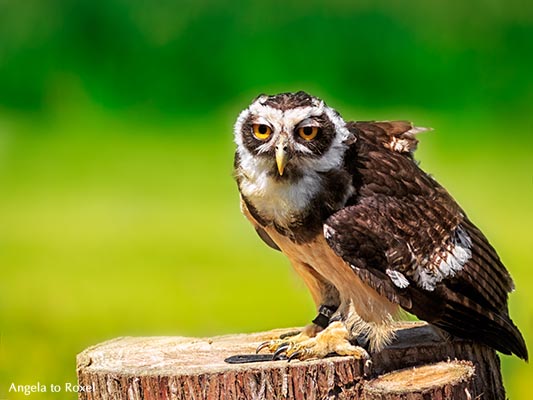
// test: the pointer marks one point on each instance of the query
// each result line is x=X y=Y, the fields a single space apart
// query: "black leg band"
x=324 y=315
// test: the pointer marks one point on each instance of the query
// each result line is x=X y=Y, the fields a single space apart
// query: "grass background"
x=118 y=212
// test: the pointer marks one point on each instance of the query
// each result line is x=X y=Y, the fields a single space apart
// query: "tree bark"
x=420 y=364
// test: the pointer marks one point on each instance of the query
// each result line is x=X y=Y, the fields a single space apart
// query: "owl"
x=366 y=229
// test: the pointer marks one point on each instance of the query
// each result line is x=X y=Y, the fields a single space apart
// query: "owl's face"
x=289 y=135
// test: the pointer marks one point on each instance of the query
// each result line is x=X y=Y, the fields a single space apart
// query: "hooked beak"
x=282 y=154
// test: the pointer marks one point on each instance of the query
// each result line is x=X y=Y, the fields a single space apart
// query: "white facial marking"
x=309 y=122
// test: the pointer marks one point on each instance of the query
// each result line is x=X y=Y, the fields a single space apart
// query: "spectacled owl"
x=367 y=230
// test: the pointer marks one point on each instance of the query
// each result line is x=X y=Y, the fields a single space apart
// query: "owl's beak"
x=282 y=154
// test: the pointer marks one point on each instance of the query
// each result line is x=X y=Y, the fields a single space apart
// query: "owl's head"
x=288 y=135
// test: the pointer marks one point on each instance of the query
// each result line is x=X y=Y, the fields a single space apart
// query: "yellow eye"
x=308 y=132
x=261 y=131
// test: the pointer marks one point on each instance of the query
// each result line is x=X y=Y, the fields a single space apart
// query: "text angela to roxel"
x=38 y=387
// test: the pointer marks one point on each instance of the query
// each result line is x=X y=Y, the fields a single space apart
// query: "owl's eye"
x=261 y=131
x=308 y=132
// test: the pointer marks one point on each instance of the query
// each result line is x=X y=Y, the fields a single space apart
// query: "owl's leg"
x=326 y=297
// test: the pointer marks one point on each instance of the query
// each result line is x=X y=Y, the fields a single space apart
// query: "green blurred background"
x=118 y=212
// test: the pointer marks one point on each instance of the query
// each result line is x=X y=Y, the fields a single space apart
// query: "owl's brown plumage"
x=364 y=226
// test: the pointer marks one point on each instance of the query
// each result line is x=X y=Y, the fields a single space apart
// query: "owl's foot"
x=332 y=340
x=280 y=345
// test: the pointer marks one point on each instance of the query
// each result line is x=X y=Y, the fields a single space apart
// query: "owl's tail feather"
x=495 y=330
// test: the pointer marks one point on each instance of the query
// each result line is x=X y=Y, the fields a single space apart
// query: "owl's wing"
x=253 y=217
x=265 y=237
x=399 y=136
x=425 y=255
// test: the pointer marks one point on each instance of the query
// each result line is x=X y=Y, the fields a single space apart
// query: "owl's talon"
x=296 y=355
x=262 y=346
x=282 y=349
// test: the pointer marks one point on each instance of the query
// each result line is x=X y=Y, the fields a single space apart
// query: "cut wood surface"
x=446 y=379
x=418 y=365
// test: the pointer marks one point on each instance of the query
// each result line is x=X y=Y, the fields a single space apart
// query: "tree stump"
x=420 y=364
x=443 y=380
